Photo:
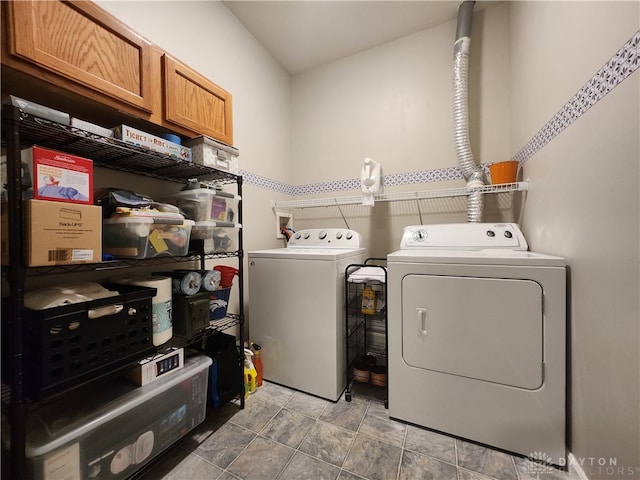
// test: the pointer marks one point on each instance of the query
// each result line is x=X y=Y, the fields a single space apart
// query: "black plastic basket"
x=68 y=345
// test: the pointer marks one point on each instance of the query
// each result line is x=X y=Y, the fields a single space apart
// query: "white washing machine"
x=476 y=332
x=296 y=309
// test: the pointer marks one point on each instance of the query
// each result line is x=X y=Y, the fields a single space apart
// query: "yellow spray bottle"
x=250 y=373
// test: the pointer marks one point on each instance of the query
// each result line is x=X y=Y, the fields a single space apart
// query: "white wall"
x=210 y=39
x=583 y=204
x=393 y=103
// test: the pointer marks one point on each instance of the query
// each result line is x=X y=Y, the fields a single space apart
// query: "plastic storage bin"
x=218 y=237
x=145 y=237
x=111 y=430
x=71 y=344
x=209 y=152
x=205 y=204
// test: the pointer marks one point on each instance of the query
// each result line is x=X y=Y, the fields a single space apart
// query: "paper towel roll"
x=162 y=325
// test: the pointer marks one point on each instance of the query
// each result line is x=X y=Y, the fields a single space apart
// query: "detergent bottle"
x=370 y=181
x=250 y=373
x=257 y=362
x=368 y=300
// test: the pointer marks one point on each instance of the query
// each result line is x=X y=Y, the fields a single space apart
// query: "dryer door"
x=488 y=329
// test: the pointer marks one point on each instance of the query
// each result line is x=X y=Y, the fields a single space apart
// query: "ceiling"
x=303 y=34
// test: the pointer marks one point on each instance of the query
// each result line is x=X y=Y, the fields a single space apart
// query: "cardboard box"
x=91 y=127
x=60 y=233
x=158 y=144
x=38 y=110
x=51 y=175
x=152 y=368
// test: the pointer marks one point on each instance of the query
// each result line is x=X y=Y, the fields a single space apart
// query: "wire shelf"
x=110 y=152
x=401 y=196
x=122 y=263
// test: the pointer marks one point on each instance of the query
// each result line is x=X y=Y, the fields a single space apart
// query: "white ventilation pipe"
x=473 y=174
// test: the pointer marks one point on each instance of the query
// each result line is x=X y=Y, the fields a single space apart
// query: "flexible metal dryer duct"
x=472 y=172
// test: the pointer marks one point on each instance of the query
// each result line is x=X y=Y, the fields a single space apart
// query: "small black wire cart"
x=366 y=329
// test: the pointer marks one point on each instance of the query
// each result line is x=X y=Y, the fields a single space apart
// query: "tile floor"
x=284 y=434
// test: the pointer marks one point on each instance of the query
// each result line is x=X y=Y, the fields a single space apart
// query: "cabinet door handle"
x=422 y=321
x=104 y=311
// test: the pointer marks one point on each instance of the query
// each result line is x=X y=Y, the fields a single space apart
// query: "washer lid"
x=318 y=244
x=476 y=257
x=329 y=254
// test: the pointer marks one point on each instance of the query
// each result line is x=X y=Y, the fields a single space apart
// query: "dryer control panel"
x=464 y=236
x=326 y=238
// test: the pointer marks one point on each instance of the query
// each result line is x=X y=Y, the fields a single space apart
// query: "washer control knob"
x=298 y=235
x=349 y=235
x=420 y=235
x=338 y=235
x=322 y=235
x=508 y=234
x=306 y=235
x=491 y=233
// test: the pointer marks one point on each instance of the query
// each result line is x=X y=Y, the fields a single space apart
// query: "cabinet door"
x=82 y=43
x=194 y=102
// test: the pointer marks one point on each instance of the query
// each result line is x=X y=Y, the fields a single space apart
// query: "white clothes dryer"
x=296 y=309
x=476 y=334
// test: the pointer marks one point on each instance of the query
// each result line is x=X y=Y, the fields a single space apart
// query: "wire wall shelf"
x=123 y=263
x=401 y=196
x=109 y=152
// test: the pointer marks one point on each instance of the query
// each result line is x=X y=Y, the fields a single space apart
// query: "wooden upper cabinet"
x=85 y=54
x=80 y=42
x=194 y=102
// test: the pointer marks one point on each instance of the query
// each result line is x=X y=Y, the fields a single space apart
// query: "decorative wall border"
x=621 y=65
x=249 y=178
x=617 y=69
x=406 y=178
